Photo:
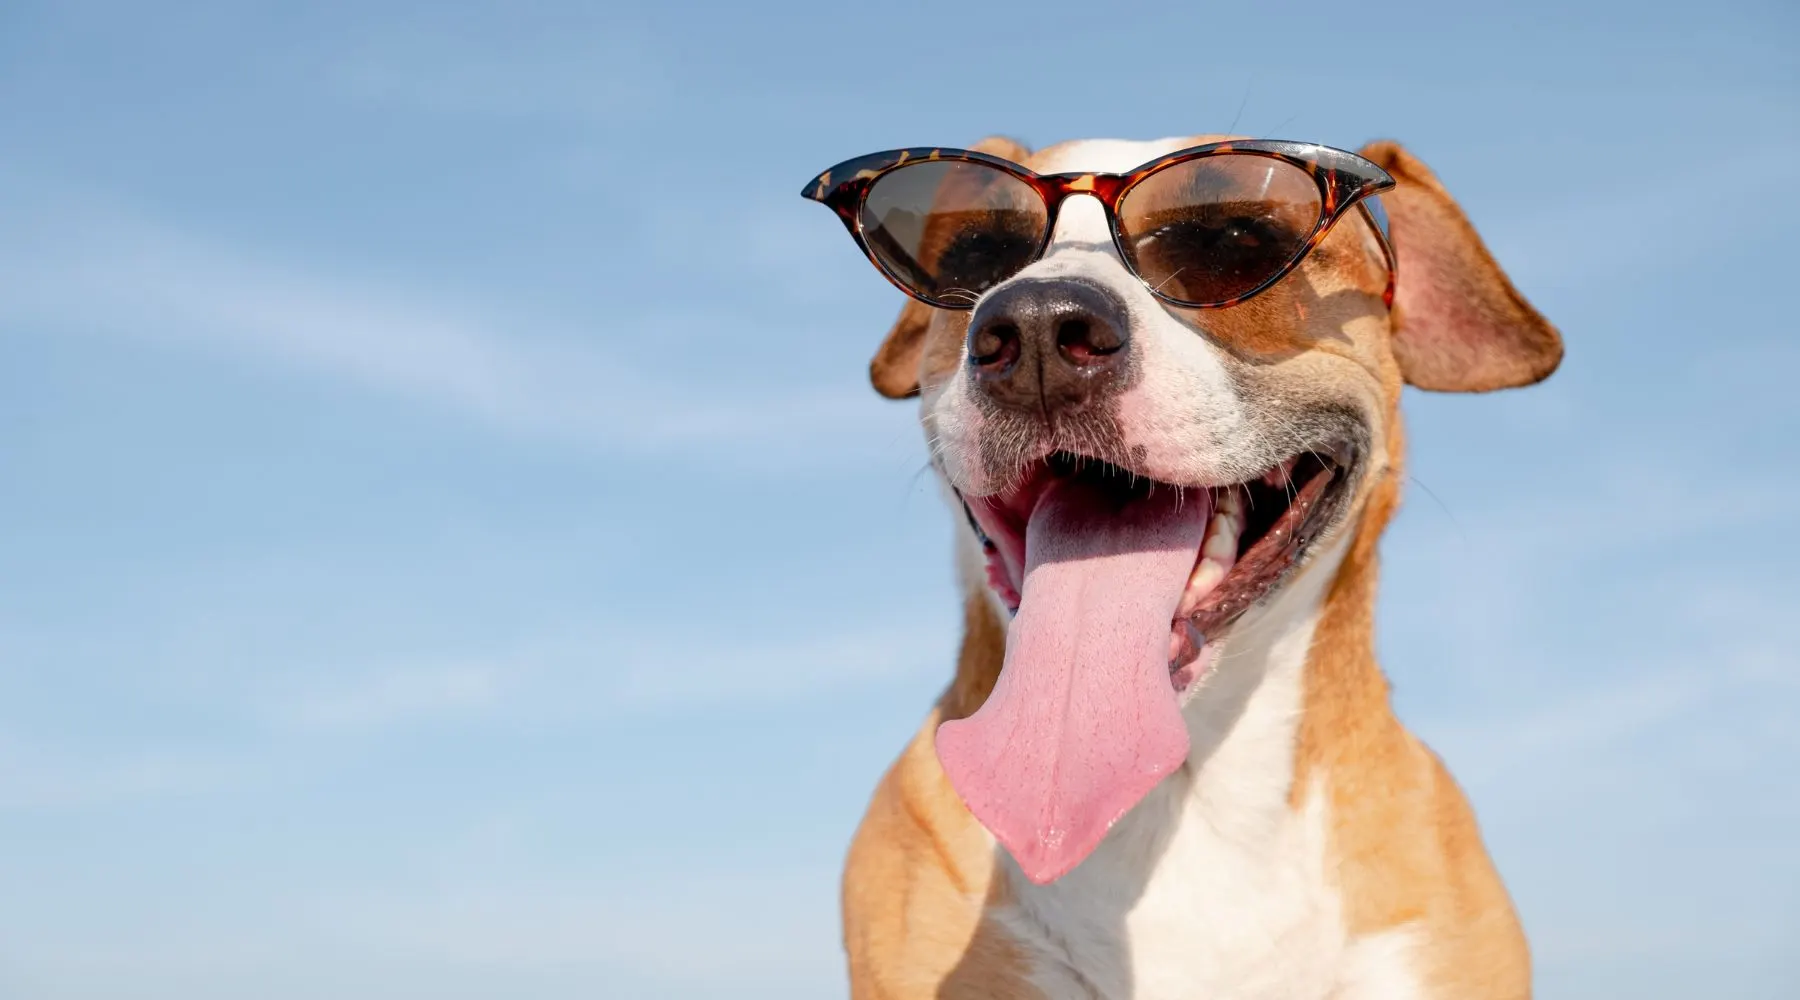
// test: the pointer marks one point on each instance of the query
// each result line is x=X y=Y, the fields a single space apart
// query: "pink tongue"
x=1083 y=721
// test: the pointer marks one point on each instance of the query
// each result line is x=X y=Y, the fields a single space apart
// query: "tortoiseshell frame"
x=1344 y=179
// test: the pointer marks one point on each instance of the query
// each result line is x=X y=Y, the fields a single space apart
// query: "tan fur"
x=1404 y=838
x=920 y=877
x=920 y=887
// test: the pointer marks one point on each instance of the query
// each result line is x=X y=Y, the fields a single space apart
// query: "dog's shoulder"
x=920 y=893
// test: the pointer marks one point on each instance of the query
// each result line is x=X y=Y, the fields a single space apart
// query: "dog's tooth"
x=1221 y=543
x=1222 y=531
x=1206 y=576
x=1218 y=550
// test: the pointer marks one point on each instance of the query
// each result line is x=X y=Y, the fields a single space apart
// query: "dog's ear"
x=1459 y=324
x=895 y=367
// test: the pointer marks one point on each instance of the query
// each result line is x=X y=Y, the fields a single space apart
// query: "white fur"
x=1380 y=967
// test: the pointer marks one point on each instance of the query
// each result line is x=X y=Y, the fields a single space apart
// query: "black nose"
x=1048 y=345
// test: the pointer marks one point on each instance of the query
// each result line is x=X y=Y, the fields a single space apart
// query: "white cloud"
x=397 y=696
x=37 y=778
x=764 y=928
x=705 y=931
x=599 y=672
x=72 y=265
x=280 y=719
x=1647 y=223
x=682 y=671
x=596 y=73
x=1594 y=717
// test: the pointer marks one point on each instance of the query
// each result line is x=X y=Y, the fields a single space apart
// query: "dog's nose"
x=1048 y=344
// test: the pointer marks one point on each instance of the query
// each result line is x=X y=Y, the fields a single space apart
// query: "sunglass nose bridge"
x=1080 y=222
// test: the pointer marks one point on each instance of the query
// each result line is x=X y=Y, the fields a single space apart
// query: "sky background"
x=449 y=548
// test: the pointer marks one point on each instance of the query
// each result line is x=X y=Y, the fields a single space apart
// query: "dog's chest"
x=1215 y=886
x=1215 y=919
x=1212 y=916
x=1223 y=918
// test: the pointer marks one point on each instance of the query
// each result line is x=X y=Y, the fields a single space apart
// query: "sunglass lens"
x=951 y=229
x=1213 y=229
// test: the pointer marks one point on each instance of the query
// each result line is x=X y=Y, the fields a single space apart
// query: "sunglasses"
x=1203 y=228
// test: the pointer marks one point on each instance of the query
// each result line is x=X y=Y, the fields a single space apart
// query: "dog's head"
x=1140 y=475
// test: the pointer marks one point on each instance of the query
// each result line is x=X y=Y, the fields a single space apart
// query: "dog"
x=1070 y=821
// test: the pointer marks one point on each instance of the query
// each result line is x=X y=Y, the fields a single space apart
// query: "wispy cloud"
x=396 y=696
x=285 y=721
x=707 y=930
x=597 y=72
x=1599 y=717
x=645 y=677
x=599 y=672
x=82 y=266
x=748 y=921
x=1632 y=228
x=35 y=778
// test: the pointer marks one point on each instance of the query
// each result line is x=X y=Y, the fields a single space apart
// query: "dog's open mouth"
x=1117 y=583
x=1254 y=533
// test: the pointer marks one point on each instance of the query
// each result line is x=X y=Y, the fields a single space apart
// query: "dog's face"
x=1140 y=475
x=1256 y=402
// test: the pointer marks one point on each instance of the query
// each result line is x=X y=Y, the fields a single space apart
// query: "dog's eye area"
x=951 y=230
x=1214 y=229
x=978 y=258
x=1209 y=253
x=1245 y=232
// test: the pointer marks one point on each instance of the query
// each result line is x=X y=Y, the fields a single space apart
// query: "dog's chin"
x=1259 y=532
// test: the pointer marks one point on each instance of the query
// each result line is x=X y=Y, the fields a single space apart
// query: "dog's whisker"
x=1171 y=277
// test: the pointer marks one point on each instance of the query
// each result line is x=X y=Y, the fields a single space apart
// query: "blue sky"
x=451 y=550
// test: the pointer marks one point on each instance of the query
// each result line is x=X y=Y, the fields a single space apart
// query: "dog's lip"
x=1008 y=506
x=1271 y=547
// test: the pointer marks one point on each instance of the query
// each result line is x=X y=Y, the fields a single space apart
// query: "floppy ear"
x=895 y=367
x=1459 y=324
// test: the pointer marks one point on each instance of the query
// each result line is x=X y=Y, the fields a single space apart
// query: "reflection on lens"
x=1210 y=230
x=950 y=230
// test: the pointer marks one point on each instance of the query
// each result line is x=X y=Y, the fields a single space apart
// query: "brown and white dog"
x=1309 y=846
